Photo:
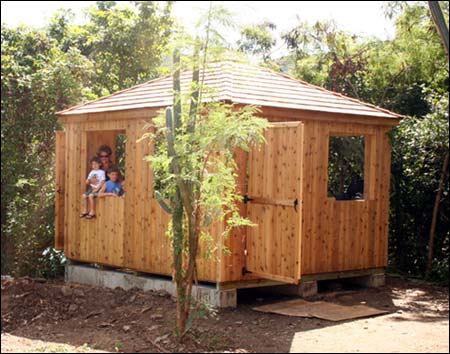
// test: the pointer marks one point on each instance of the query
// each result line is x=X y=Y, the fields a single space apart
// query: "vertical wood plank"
x=60 y=189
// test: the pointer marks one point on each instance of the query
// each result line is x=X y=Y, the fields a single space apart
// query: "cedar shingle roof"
x=238 y=83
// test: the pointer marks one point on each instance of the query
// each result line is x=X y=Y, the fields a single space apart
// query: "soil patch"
x=51 y=316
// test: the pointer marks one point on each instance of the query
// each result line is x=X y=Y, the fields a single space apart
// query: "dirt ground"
x=40 y=316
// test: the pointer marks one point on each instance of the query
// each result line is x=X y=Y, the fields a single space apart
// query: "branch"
x=195 y=94
x=205 y=49
x=435 y=215
x=393 y=79
x=162 y=202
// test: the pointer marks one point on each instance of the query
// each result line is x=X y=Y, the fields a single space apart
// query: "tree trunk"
x=439 y=21
x=182 y=315
x=435 y=215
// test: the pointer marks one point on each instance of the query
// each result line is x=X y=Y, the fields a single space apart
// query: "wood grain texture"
x=344 y=235
x=60 y=190
x=127 y=232
x=322 y=236
x=273 y=244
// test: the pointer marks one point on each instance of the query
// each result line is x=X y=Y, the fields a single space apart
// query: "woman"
x=104 y=153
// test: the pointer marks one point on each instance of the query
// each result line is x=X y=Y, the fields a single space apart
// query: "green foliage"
x=419 y=147
x=124 y=43
x=44 y=71
x=409 y=75
x=206 y=159
x=387 y=73
x=37 y=80
x=195 y=169
x=127 y=43
x=121 y=140
x=326 y=56
x=346 y=163
x=258 y=39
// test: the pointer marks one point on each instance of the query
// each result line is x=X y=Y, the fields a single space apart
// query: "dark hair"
x=104 y=148
x=113 y=168
x=96 y=159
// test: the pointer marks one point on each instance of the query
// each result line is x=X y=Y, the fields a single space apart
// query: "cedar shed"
x=302 y=235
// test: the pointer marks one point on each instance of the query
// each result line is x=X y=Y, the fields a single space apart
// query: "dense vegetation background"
x=49 y=69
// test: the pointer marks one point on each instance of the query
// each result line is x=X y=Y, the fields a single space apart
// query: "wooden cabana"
x=302 y=233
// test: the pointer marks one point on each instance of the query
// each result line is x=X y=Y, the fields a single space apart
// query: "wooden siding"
x=336 y=235
x=238 y=83
x=232 y=264
x=128 y=232
x=344 y=235
x=101 y=238
x=60 y=171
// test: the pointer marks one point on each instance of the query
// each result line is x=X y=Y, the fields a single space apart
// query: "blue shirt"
x=114 y=187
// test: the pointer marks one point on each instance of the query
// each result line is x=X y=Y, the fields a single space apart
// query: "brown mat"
x=320 y=309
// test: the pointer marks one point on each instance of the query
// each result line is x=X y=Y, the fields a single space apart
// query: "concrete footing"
x=207 y=294
x=85 y=274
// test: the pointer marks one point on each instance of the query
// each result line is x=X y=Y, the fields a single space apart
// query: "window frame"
x=369 y=163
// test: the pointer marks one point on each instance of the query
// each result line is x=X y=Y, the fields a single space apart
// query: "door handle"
x=247 y=199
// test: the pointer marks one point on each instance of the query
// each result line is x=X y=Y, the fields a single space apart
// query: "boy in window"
x=113 y=187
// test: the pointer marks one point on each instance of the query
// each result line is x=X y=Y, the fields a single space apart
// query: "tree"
x=419 y=144
x=44 y=71
x=439 y=21
x=258 y=39
x=38 y=79
x=441 y=26
x=387 y=73
x=125 y=43
x=327 y=56
x=194 y=163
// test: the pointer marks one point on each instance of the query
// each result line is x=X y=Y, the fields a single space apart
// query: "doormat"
x=320 y=309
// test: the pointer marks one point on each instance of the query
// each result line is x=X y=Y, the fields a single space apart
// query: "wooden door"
x=274 y=204
x=60 y=175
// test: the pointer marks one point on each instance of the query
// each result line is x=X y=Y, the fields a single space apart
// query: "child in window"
x=95 y=180
x=113 y=187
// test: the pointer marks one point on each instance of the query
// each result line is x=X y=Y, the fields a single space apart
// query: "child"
x=95 y=180
x=113 y=187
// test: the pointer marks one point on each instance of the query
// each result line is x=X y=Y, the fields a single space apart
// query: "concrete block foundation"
x=86 y=274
